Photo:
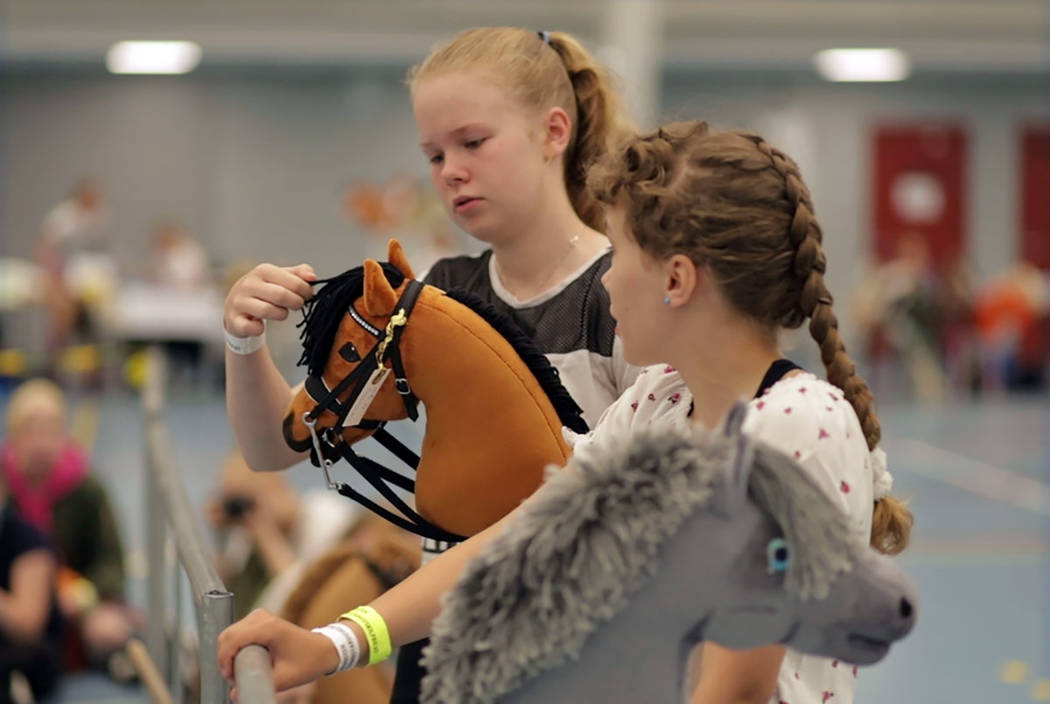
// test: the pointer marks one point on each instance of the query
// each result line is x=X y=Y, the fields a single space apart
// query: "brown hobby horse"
x=376 y=342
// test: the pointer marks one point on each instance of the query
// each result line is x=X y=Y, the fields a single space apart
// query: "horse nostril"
x=905 y=608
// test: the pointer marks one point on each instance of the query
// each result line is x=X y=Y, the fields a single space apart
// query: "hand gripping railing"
x=167 y=506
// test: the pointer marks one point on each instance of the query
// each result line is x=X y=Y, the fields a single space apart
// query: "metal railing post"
x=156 y=530
x=175 y=651
x=213 y=604
x=216 y=613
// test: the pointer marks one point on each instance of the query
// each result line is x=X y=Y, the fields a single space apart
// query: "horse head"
x=376 y=344
x=801 y=575
x=351 y=329
x=621 y=563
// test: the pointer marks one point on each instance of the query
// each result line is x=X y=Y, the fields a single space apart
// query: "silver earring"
x=667 y=300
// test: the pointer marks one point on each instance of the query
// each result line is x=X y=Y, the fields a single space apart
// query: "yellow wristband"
x=376 y=632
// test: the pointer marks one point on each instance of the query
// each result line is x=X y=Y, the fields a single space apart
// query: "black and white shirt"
x=570 y=324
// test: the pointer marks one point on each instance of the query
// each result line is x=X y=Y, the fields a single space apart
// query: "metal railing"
x=167 y=507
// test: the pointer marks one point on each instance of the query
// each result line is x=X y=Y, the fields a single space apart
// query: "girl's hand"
x=267 y=292
x=298 y=656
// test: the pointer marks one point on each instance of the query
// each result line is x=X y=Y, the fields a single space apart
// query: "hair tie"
x=882 y=480
x=545 y=36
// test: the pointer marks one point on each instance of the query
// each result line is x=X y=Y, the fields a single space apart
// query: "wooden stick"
x=147 y=670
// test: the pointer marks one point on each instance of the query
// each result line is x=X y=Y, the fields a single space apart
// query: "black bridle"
x=329 y=445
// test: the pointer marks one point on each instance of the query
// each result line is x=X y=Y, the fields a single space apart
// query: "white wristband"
x=346 y=644
x=244 y=345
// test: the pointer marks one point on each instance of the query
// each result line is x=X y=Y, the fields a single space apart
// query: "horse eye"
x=779 y=555
x=349 y=353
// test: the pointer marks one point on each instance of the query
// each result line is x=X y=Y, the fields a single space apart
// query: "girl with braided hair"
x=723 y=223
x=716 y=249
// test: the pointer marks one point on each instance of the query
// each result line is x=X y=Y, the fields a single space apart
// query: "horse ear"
x=743 y=463
x=735 y=419
x=380 y=297
x=396 y=256
x=737 y=472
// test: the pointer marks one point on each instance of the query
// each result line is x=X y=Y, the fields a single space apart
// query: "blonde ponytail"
x=601 y=123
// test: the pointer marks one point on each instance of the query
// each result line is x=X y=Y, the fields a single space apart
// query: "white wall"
x=255 y=164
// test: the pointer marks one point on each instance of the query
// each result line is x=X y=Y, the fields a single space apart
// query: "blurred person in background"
x=180 y=264
x=269 y=532
x=1012 y=315
x=509 y=120
x=897 y=306
x=49 y=478
x=30 y=624
x=179 y=261
x=79 y=273
x=958 y=336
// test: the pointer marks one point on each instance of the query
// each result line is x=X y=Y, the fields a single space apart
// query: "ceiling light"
x=862 y=64
x=153 y=57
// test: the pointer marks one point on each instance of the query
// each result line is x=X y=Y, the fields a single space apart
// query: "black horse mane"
x=569 y=412
x=324 y=312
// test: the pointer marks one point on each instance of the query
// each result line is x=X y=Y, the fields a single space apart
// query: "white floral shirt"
x=803 y=416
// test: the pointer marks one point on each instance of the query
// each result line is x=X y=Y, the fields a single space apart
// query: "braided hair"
x=737 y=205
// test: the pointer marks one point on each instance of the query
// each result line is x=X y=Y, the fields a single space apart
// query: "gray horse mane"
x=586 y=542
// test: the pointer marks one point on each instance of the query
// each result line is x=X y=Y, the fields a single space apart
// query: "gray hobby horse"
x=620 y=564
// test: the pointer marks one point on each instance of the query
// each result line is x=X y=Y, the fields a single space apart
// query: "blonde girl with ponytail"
x=509 y=120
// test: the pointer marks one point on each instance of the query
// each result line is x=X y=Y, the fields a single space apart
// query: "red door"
x=920 y=179
x=1035 y=195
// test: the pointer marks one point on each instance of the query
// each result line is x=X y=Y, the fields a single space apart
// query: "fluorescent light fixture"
x=153 y=57
x=863 y=64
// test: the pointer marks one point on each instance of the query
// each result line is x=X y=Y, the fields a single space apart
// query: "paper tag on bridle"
x=365 y=398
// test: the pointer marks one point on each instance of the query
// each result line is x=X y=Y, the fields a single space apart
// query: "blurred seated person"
x=48 y=476
x=180 y=263
x=1012 y=314
x=178 y=260
x=30 y=624
x=74 y=223
x=268 y=532
x=79 y=273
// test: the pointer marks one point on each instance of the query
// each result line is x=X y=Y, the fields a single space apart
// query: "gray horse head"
x=620 y=564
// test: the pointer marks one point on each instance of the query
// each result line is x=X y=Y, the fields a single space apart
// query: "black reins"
x=329 y=445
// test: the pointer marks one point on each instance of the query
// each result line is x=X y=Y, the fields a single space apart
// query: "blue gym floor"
x=977 y=472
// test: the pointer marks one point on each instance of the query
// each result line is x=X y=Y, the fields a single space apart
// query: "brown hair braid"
x=562 y=74
x=726 y=200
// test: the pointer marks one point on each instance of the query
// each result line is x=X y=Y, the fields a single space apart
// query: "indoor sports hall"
x=154 y=155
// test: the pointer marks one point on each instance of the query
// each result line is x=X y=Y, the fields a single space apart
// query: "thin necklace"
x=553 y=270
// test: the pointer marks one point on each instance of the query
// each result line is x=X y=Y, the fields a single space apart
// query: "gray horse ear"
x=737 y=471
x=735 y=420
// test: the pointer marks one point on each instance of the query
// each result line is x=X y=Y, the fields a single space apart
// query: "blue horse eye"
x=778 y=554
